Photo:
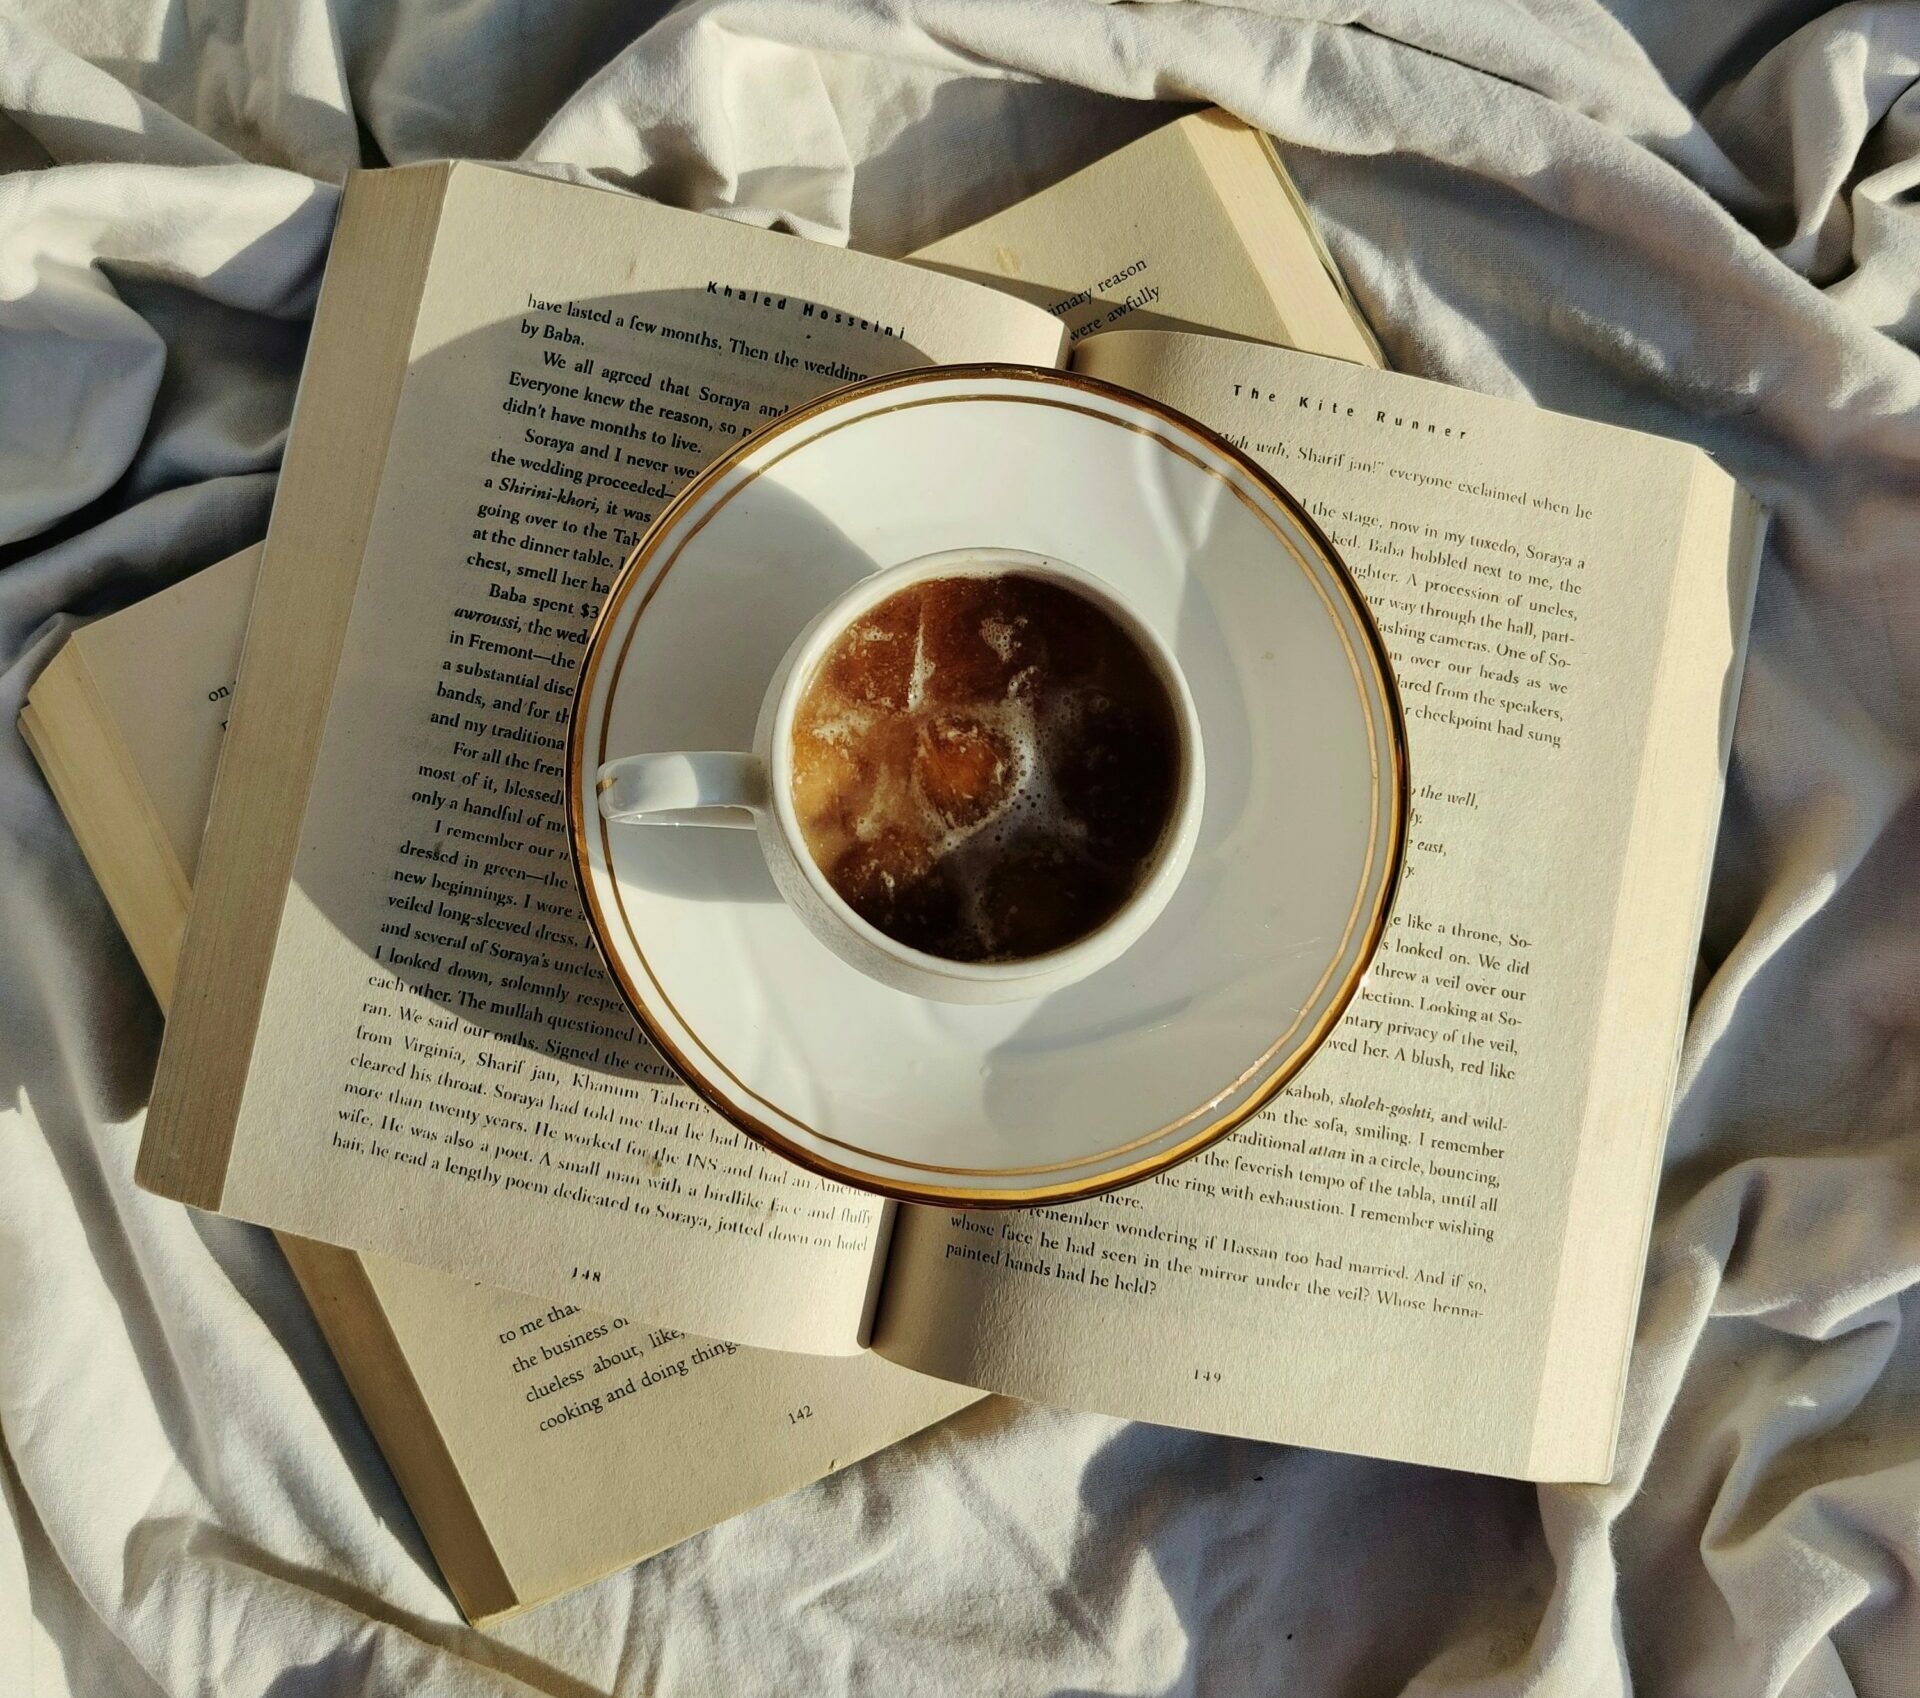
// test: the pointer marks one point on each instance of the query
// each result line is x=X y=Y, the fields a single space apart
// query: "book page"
x=442 y=1069
x=588 y=1441
x=1193 y=226
x=1370 y=1263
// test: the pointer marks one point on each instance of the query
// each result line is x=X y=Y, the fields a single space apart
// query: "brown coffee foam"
x=984 y=766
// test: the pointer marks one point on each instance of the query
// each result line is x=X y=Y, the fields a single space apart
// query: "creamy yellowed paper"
x=539 y=1449
x=1373 y=1261
x=1191 y=227
x=442 y=1070
x=163 y=673
x=587 y=1441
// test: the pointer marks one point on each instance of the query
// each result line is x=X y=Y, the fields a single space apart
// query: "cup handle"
x=683 y=789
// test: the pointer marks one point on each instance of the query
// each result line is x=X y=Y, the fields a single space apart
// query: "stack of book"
x=382 y=993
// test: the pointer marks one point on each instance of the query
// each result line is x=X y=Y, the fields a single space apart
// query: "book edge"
x=354 y=1322
x=1331 y=266
x=1547 y=1452
x=110 y=853
x=206 y=1052
x=1215 y=136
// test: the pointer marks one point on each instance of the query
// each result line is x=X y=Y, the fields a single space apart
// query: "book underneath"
x=520 y=1486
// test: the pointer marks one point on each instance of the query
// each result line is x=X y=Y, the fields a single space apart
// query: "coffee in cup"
x=977 y=776
x=985 y=767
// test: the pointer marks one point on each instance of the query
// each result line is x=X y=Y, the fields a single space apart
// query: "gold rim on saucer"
x=1388 y=744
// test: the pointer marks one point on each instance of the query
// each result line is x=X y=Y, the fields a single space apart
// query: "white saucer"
x=1261 y=948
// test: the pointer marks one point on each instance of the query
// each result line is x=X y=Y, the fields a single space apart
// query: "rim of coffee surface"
x=1138 y=1157
x=986 y=560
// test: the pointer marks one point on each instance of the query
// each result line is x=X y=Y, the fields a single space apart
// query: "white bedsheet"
x=1698 y=218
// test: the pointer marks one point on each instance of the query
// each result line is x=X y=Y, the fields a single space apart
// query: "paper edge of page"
x=346 y=1303
x=1232 y=155
x=136 y=886
x=129 y=772
x=206 y=1051
x=537 y=1590
x=1317 y=240
x=1575 y=1438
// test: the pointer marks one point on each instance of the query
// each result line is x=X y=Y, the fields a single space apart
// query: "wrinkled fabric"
x=1695 y=218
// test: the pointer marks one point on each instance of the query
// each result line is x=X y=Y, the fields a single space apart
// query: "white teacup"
x=755 y=789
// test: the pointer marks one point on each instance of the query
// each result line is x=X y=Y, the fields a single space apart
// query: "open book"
x=1428 y=1248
